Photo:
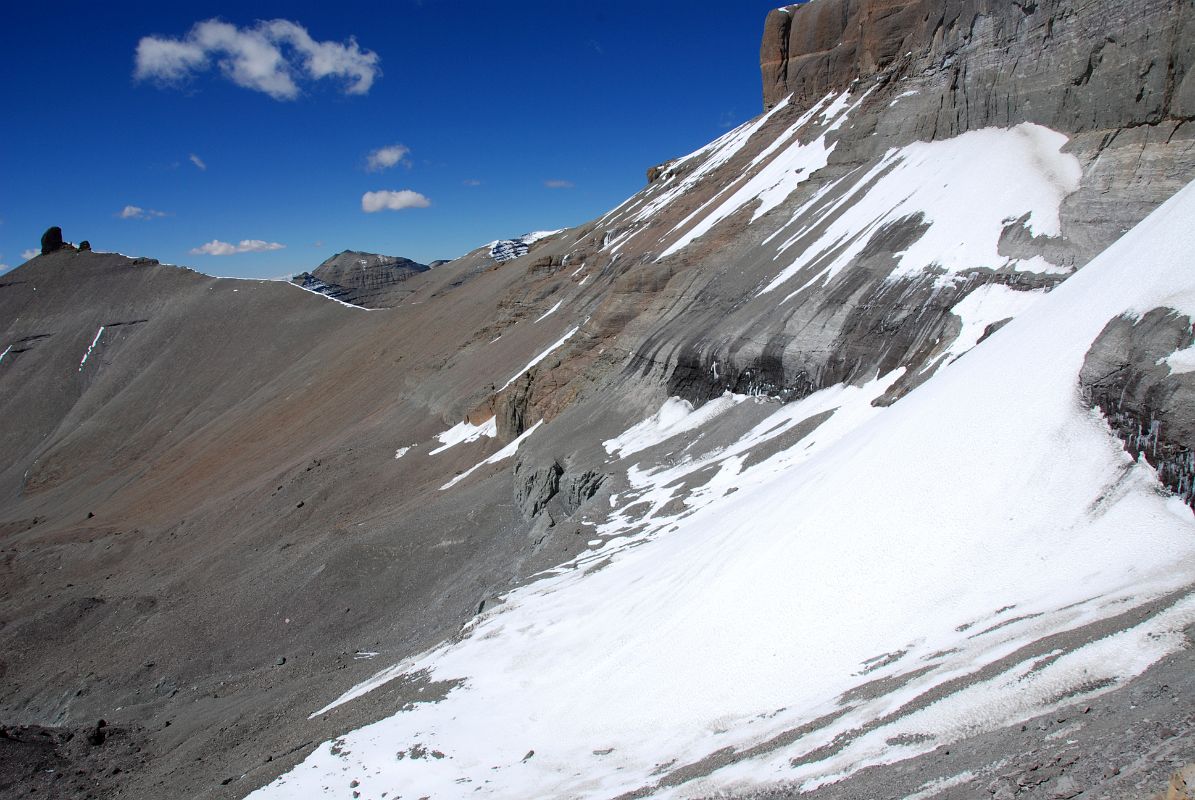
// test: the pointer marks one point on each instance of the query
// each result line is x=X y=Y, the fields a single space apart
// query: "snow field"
x=965 y=189
x=984 y=511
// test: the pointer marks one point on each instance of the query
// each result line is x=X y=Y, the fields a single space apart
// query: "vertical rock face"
x=1069 y=65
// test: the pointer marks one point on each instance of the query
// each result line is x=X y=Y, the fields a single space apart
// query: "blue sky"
x=515 y=116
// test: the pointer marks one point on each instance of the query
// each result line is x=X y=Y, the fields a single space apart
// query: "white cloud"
x=471 y=182
x=197 y=161
x=392 y=201
x=265 y=58
x=30 y=253
x=559 y=184
x=136 y=212
x=3 y=267
x=386 y=157
x=218 y=248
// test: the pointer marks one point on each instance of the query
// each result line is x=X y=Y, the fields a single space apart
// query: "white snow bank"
x=465 y=432
x=986 y=510
x=501 y=455
x=1179 y=362
x=993 y=302
x=549 y=312
x=966 y=189
x=675 y=416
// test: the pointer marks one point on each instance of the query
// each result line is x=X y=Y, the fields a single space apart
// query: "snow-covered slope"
x=884 y=594
x=760 y=509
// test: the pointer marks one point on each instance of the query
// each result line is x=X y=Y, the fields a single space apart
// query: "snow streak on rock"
x=779 y=177
x=542 y=355
x=90 y=347
x=966 y=190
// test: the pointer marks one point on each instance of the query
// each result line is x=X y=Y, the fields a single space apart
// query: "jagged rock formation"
x=362 y=279
x=51 y=240
x=359 y=490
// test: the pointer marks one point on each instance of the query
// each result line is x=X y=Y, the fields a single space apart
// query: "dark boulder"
x=84 y=245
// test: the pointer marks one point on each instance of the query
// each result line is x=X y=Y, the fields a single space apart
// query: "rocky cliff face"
x=1069 y=65
x=359 y=490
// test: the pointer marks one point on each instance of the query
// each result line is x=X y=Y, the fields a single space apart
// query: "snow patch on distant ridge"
x=508 y=249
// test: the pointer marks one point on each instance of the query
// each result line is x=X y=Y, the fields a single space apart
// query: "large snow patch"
x=986 y=510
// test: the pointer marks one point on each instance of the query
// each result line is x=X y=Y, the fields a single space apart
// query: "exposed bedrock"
x=1069 y=64
x=364 y=279
x=1141 y=375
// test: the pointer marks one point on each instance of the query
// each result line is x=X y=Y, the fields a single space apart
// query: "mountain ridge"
x=377 y=491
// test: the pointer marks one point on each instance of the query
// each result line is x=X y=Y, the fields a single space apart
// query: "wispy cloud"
x=218 y=248
x=267 y=57
x=30 y=253
x=559 y=184
x=392 y=201
x=136 y=212
x=387 y=157
x=471 y=182
x=197 y=161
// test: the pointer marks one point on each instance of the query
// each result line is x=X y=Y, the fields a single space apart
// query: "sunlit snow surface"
x=965 y=190
x=501 y=455
x=464 y=432
x=985 y=510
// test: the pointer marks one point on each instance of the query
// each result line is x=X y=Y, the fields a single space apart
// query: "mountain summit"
x=362 y=279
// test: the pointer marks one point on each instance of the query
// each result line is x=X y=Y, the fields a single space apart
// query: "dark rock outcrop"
x=51 y=240
x=535 y=487
x=656 y=172
x=1149 y=404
